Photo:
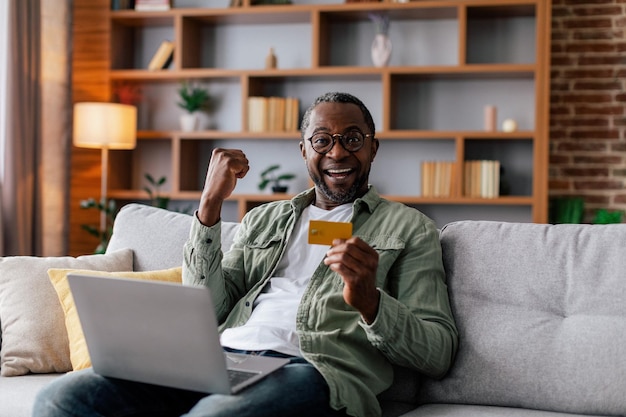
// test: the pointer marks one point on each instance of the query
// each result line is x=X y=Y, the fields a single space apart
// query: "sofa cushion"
x=79 y=355
x=457 y=410
x=17 y=395
x=401 y=396
x=157 y=236
x=34 y=338
x=541 y=316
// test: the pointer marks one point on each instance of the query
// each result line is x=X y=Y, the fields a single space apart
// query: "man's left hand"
x=356 y=262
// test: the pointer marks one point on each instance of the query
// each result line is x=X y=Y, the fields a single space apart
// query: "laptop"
x=160 y=333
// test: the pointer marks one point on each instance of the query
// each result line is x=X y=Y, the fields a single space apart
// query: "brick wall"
x=588 y=103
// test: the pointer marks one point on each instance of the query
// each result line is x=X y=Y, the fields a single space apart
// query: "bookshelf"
x=450 y=59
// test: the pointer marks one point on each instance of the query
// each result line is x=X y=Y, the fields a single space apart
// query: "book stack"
x=438 y=178
x=482 y=179
x=273 y=114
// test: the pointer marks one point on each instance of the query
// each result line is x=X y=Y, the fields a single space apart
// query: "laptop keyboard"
x=236 y=376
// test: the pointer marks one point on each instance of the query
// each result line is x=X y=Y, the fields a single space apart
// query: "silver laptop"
x=160 y=333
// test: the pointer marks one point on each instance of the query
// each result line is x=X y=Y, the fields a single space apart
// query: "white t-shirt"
x=272 y=324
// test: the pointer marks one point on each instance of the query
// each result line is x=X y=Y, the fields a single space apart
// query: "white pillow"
x=34 y=338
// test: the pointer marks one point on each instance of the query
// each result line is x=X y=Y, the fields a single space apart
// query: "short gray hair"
x=336 y=97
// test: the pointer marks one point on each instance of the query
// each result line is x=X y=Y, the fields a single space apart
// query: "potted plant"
x=604 y=216
x=153 y=191
x=270 y=176
x=193 y=99
x=109 y=208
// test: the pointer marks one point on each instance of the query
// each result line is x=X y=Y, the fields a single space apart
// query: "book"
x=292 y=113
x=162 y=57
x=426 y=179
x=273 y=114
x=152 y=5
x=276 y=116
x=481 y=179
x=257 y=114
x=438 y=178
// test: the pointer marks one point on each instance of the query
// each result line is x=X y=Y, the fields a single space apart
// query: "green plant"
x=110 y=211
x=603 y=216
x=154 y=191
x=269 y=176
x=567 y=210
x=193 y=98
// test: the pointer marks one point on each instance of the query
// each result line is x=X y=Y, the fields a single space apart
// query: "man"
x=343 y=314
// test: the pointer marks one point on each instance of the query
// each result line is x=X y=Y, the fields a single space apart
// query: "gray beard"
x=341 y=197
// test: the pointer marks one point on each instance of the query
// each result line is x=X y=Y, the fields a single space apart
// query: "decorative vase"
x=381 y=50
x=188 y=122
x=271 y=60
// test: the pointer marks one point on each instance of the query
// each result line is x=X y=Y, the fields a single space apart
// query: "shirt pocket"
x=262 y=240
x=261 y=252
x=388 y=248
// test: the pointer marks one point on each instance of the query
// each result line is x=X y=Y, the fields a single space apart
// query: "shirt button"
x=247 y=303
x=208 y=241
x=202 y=277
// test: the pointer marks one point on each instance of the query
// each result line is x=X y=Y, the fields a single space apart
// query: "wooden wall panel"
x=90 y=65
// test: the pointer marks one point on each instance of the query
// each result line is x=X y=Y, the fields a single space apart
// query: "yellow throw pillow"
x=79 y=355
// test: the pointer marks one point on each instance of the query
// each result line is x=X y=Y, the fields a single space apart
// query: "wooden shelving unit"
x=450 y=59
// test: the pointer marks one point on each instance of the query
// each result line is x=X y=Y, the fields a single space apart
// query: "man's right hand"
x=225 y=168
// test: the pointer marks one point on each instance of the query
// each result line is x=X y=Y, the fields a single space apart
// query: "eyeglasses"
x=352 y=141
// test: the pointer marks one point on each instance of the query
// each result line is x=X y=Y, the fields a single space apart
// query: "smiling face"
x=339 y=176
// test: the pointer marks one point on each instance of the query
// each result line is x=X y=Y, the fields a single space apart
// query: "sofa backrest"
x=541 y=313
x=156 y=236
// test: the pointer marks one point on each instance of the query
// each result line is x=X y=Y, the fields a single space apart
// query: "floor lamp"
x=105 y=126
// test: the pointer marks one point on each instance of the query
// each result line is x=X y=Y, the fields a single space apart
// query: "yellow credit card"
x=323 y=233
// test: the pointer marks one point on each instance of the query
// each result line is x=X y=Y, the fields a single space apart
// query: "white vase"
x=381 y=50
x=188 y=122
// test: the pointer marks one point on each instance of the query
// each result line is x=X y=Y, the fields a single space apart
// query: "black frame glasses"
x=353 y=141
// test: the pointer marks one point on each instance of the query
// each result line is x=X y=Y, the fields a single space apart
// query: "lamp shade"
x=105 y=125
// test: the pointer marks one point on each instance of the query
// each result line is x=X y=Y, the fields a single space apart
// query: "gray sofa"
x=541 y=312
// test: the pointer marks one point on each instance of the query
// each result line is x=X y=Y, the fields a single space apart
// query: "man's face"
x=339 y=176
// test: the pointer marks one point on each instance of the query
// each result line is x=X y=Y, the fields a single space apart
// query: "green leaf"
x=193 y=98
x=92 y=230
x=263 y=183
x=603 y=216
x=269 y=169
x=568 y=210
x=285 y=177
x=267 y=177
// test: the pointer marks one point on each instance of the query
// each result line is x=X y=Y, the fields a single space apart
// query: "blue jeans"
x=297 y=389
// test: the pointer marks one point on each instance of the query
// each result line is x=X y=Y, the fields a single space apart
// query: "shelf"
x=382 y=135
x=451 y=58
x=265 y=198
x=433 y=9
x=216 y=134
x=504 y=201
x=525 y=71
x=245 y=202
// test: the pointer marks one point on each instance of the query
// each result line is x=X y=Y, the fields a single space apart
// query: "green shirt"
x=414 y=327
